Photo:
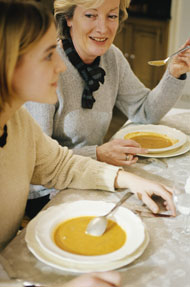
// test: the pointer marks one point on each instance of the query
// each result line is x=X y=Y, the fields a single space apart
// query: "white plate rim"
x=180 y=151
x=62 y=265
x=44 y=228
x=162 y=129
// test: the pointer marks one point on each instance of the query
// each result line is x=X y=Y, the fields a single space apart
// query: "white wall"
x=184 y=31
x=180 y=30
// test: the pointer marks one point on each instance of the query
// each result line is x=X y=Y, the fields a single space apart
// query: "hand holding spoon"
x=97 y=225
x=163 y=62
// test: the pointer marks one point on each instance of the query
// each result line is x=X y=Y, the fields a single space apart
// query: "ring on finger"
x=128 y=157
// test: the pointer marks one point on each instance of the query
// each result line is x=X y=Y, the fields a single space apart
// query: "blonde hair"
x=22 y=25
x=64 y=9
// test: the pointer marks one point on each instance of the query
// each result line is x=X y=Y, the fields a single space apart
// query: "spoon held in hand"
x=163 y=62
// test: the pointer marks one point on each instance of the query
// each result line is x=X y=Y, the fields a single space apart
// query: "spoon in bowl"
x=163 y=62
x=98 y=225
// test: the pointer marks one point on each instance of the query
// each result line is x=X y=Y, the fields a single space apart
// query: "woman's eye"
x=113 y=16
x=90 y=15
x=49 y=56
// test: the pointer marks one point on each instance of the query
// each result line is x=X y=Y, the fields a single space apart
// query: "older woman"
x=97 y=78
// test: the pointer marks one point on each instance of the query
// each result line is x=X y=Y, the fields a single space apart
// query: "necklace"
x=3 y=138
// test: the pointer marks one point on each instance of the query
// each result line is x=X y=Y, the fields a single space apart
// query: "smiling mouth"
x=98 y=39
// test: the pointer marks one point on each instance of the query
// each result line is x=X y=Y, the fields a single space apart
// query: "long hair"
x=22 y=25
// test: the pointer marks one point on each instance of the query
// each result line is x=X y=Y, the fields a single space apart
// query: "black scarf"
x=92 y=74
x=3 y=138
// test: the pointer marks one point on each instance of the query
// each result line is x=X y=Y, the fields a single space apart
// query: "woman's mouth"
x=54 y=84
x=100 y=40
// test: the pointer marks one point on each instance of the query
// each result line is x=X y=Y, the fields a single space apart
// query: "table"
x=165 y=262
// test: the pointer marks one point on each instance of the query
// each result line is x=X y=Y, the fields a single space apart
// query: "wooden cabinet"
x=142 y=40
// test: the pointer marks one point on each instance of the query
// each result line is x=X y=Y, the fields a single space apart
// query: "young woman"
x=97 y=78
x=29 y=68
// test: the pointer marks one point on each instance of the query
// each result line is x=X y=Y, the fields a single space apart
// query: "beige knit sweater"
x=32 y=157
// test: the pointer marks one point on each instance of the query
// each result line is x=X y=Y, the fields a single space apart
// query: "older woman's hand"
x=102 y=279
x=180 y=64
x=119 y=152
x=145 y=189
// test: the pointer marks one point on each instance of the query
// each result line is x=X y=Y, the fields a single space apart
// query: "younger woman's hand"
x=145 y=189
x=96 y=279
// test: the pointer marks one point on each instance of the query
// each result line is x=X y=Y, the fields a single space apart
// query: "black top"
x=3 y=138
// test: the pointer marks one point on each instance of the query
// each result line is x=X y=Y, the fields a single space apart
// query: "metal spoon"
x=98 y=225
x=163 y=62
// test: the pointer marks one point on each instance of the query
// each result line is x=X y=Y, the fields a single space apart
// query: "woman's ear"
x=69 y=22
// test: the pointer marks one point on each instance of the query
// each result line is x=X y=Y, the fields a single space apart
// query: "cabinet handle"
x=132 y=56
x=126 y=55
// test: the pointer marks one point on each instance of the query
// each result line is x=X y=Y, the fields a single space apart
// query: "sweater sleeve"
x=141 y=104
x=57 y=167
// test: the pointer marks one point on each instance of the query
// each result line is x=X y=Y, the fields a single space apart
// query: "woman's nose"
x=101 y=25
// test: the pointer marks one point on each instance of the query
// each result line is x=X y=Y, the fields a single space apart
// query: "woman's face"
x=93 y=30
x=36 y=74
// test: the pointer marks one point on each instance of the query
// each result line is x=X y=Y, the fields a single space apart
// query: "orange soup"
x=150 y=140
x=70 y=236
